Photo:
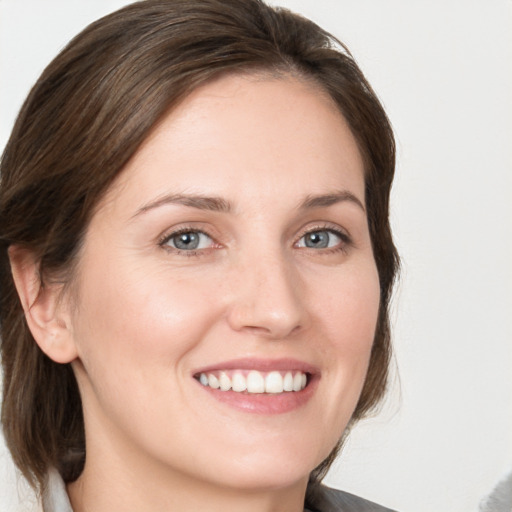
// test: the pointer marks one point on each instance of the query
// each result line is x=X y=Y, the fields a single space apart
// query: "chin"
x=267 y=469
x=276 y=476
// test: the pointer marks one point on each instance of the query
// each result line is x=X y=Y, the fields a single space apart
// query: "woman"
x=196 y=262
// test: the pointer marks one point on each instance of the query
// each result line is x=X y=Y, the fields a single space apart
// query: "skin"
x=142 y=317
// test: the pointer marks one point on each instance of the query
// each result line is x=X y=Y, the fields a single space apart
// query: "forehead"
x=251 y=133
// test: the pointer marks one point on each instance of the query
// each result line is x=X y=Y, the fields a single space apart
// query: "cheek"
x=349 y=307
x=349 y=314
x=138 y=318
x=360 y=313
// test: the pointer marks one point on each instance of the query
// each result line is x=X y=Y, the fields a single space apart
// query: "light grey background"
x=443 y=69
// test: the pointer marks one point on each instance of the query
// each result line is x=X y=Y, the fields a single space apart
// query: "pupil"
x=317 y=239
x=187 y=241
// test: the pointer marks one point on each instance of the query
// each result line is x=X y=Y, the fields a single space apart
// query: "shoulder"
x=331 y=500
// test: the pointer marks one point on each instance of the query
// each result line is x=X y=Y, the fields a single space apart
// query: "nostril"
x=277 y=333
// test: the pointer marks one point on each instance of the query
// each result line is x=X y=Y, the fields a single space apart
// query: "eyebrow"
x=214 y=204
x=218 y=204
x=325 y=200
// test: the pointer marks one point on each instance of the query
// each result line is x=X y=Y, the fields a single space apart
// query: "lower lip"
x=265 y=403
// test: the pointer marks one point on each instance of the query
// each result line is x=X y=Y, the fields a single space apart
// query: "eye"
x=320 y=239
x=189 y=240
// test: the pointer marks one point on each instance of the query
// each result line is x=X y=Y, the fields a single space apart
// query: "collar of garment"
x=54 y=496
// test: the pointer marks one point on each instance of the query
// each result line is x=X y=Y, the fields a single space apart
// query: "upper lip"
x=262 y=365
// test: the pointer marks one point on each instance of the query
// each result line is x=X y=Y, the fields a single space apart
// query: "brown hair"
x=82 y=122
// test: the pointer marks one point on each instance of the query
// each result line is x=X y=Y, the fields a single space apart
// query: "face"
x=227 y=294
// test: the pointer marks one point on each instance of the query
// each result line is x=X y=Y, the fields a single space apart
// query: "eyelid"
x=327 y=226
x=173 y=232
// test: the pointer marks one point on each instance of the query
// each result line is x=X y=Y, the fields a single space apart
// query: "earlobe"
x=46 y=312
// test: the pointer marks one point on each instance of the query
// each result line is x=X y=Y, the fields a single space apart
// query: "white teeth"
x=255 y=382
x=225 y=382
x=273 y=382
x=238 y=382
x=297 y=382
x=213 y=382
x=288 y=382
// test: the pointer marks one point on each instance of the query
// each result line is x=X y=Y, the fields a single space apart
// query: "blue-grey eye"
x=189 y=241
x=321 y=239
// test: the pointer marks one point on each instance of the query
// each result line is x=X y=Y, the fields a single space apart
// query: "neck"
x=117 y=478
x=127 y=491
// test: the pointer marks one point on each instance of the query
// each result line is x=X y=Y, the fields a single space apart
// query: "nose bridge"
x=267 y=298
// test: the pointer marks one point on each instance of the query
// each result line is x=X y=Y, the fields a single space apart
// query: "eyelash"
x=162 y=242
x=346 y=240
x=345 y=244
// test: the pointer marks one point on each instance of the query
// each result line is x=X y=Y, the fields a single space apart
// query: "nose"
x=268 y=298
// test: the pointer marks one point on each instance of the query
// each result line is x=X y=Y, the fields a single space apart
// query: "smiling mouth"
x=254 y=381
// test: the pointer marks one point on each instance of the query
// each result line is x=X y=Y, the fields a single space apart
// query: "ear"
x=46 y=311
